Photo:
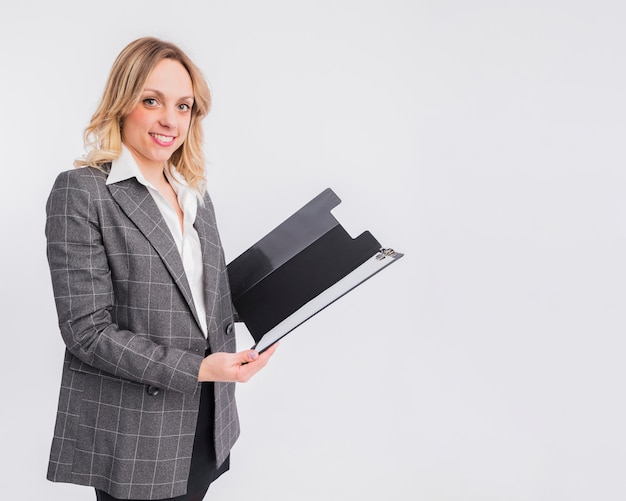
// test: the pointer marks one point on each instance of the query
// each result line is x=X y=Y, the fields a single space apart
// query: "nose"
x=168 y=118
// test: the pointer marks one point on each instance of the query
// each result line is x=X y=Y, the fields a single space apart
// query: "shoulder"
x=77 y=187
x=82 y=177
x=205 y=206
x=206 y=200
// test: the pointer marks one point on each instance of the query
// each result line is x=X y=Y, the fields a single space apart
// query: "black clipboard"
x=299 y=268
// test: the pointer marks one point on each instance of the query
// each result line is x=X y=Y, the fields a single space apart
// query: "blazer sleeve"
x=83 y=292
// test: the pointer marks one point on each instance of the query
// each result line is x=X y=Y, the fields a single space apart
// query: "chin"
x=163 y=156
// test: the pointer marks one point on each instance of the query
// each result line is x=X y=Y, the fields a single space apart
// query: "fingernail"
x=253 y=355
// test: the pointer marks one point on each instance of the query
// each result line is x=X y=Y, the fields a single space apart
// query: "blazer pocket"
x=78 y=365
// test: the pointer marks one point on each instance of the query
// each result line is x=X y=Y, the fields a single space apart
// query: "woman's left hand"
x=234 y=367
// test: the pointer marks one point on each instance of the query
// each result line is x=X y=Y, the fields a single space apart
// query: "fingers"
x=234 y=367
x=255 y=362
x=252 y=355
x=270 y=351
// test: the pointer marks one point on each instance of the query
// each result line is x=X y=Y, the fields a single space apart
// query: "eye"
x=184 y=107
x=150 y=101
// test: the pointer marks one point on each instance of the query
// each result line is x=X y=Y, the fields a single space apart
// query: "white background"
x=484 y=139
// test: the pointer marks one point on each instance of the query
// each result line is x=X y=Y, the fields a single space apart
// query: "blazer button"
x=153 y=391
x=230 y=329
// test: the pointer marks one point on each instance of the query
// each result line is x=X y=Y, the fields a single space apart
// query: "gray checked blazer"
x=129 y=394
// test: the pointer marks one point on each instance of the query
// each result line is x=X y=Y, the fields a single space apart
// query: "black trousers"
x=103 y=496
x=203 y=470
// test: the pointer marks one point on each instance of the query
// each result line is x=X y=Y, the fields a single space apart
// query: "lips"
x=162 y=140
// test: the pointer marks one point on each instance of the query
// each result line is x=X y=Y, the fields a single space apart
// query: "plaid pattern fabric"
x=129 y=393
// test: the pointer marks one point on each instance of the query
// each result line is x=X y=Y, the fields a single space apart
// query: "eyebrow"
x=160 y=94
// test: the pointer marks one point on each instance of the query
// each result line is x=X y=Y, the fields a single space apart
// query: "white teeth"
x=163 y=139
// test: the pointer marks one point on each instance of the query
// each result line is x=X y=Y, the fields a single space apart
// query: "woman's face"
x=158 y=124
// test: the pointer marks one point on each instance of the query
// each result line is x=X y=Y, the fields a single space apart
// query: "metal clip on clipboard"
x=299 y=268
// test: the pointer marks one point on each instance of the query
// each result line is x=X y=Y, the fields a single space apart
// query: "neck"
x=152 y=171
x=155 y=175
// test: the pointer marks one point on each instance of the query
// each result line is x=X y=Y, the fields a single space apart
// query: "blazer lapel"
x=211 y=259
x=137 y=203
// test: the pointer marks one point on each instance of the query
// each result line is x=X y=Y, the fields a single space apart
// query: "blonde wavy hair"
x=127 y=79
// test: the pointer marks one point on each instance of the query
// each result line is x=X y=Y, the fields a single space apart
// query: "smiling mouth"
x=161 y=139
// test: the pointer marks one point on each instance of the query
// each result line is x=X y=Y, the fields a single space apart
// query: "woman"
x=147 y=407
